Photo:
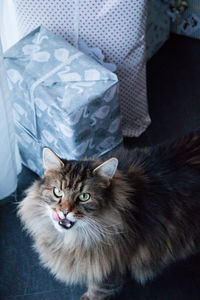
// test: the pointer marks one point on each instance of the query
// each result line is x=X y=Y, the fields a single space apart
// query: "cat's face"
x=76 y=193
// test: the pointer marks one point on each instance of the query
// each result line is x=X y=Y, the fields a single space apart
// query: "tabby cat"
x=93 y=221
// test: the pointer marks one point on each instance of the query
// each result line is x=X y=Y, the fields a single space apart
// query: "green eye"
x=84 y=197
x=57 y=192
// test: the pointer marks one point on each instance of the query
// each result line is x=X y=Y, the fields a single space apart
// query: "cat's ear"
x=50 y=160
x=107 y=169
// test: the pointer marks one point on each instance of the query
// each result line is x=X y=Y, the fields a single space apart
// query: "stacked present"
x=62 y=99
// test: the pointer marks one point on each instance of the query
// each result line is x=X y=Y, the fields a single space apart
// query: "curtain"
x=10 y=165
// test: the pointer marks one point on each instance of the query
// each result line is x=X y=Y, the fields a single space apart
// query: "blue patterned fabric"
x=189 y=22
x=158 y=25
x=62 y=99
x=164 y=16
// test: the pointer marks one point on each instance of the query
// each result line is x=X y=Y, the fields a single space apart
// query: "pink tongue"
x=55 y=216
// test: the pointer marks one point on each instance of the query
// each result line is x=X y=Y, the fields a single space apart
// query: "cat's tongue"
x=63 y=221
x=55 y=216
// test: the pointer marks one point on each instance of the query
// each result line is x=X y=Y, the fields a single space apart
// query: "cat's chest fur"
x=71 y=260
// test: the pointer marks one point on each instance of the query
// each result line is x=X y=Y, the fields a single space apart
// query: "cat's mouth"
x=67 y=224
x=64 y=222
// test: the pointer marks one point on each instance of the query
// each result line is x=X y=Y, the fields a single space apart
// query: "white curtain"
x=10 y=165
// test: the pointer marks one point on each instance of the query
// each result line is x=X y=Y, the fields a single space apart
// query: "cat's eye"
x=57 y=192
x=84 y=197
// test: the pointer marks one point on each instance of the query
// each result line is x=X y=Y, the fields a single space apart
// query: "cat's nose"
x=65 y=210
x=63 y=213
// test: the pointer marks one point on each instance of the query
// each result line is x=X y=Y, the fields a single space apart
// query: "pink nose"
x=65 y=210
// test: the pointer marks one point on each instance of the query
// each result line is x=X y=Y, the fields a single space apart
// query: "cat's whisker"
x=100 y=225
x=92 y=231
x=16 y=202
x=112 y=225
x=42 y=204
x=103 y=234
x=89 y=236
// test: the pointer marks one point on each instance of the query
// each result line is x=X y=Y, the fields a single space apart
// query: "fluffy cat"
x=92 y=221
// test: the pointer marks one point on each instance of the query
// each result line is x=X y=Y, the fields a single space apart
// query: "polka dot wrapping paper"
x=115 y=27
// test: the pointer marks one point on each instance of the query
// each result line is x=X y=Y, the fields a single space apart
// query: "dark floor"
x=174 y=103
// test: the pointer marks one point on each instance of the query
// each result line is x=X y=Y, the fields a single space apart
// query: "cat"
x=93 y=221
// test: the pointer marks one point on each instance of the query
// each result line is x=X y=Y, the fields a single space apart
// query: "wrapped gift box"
x=62 y=99
x=114 y=33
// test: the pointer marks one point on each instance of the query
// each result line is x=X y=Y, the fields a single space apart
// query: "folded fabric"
x=62 y=99
x=158 y=25
x=188 y=22
x=166 y=16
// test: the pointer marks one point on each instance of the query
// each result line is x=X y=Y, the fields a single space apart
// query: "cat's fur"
x=140 y=219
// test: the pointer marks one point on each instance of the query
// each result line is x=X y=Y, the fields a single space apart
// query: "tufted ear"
x=107 y=169
x=50 y=160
